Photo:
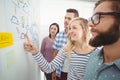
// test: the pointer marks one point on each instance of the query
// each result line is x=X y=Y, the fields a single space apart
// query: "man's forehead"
x=103 y=7
x=71 y=15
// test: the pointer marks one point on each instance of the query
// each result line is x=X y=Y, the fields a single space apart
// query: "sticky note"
x=6 y=39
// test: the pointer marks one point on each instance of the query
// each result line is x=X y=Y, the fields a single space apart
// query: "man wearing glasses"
x=104 y=64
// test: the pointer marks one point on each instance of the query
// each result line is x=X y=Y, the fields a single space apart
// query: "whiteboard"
x=15 y=62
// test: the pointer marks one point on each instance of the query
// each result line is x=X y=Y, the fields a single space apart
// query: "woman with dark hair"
x=46 y=47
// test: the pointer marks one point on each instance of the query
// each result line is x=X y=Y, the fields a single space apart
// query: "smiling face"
x=107 y=30
x=78 y=30
x=75 y=31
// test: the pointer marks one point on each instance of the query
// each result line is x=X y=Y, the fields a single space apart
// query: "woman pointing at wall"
x=76 y=51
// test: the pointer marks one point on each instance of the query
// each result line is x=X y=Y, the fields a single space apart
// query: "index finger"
x=28 y=39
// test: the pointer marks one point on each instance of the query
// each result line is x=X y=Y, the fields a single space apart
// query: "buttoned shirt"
x=97 y=70
x=60 y=40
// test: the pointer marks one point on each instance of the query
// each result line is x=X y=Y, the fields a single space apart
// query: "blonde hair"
x=85 y=37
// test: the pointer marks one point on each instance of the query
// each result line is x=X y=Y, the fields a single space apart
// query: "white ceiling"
x=90 y=0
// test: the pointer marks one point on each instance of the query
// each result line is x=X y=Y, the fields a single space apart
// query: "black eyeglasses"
x=96 y=17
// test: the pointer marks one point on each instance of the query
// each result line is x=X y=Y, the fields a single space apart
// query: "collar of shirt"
x=116 y=62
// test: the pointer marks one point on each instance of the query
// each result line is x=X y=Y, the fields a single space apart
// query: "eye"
x=96 y=17
x=74 y=27
x=69 y=18
x=69 y=28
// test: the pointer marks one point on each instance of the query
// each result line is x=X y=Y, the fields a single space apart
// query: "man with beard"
x=104 y=64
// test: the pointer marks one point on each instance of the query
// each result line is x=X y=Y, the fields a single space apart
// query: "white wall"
x=15 y=62
x=2 y=15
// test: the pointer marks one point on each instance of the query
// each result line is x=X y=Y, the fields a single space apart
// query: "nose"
x=66 y=21
x=90 y=24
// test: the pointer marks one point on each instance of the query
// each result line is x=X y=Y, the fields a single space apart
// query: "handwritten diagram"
x=20 y=17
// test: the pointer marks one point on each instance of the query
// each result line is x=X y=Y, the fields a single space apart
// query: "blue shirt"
x=60 y=40
x=96 y=70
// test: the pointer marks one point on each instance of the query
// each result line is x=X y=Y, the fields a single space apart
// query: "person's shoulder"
x=61 y=33
x=96 y=51
x=45 y=38
x=96 y=54
x=63 y=51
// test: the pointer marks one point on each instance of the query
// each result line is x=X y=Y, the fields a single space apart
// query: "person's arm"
x=54 y=64
x=42 y=62
x=54 y=53
x=42 y=50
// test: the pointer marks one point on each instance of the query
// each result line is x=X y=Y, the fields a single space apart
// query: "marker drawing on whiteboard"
x=17 y=30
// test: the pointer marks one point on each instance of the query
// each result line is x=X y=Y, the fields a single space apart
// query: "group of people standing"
x=74 y=54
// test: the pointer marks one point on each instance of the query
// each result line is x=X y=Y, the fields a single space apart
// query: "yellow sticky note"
x=6 y=39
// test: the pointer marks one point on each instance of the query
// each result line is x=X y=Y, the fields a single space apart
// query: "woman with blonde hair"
x=76 y=51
